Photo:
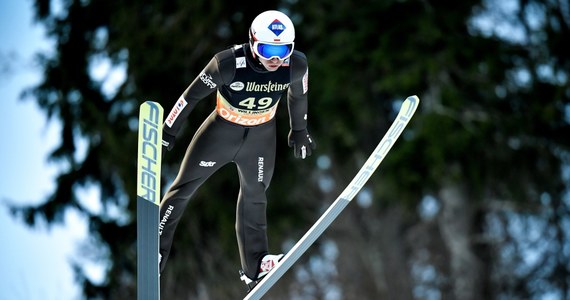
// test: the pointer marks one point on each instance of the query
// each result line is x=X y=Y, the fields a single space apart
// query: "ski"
x=149 y=161
x=406 y=112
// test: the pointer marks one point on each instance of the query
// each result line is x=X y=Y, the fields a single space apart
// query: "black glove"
x=301 y=142
x=167 y=141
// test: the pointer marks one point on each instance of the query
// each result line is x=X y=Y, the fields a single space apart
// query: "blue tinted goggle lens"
x=269 y=50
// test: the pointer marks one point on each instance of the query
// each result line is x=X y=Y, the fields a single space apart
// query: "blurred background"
x=471 y=203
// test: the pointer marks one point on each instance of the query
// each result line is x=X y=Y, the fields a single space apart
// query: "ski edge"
x=406 y=112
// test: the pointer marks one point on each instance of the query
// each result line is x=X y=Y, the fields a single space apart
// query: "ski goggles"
x=269 y=51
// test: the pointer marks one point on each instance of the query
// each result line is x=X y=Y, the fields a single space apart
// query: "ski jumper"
x=241 y=130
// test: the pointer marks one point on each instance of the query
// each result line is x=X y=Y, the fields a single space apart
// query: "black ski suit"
x=241 y=129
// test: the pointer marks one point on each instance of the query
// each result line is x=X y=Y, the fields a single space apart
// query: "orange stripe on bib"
x=243 y=117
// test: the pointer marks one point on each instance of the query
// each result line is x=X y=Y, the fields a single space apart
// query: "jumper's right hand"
x=168 y=141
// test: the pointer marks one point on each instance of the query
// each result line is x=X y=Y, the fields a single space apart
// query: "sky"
x=34 y=263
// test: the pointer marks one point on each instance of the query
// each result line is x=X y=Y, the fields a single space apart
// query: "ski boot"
x=267 y=264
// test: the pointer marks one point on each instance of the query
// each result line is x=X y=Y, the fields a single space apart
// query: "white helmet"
x=272 y=34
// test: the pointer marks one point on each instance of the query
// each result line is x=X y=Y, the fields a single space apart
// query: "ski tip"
x=410 y=104
x=414 y=98
x=152 y=103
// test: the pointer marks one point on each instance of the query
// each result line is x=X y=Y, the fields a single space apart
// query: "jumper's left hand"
x=302 y=143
